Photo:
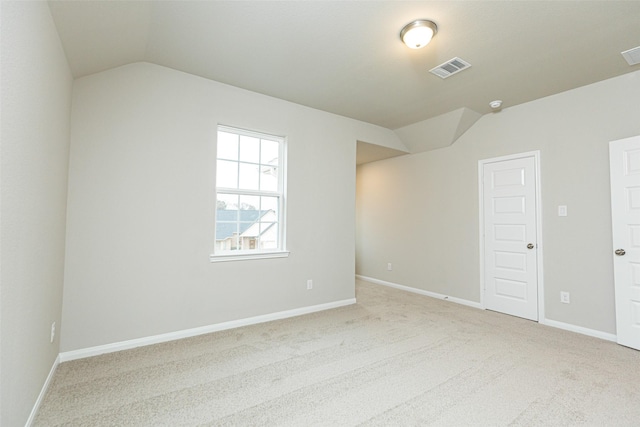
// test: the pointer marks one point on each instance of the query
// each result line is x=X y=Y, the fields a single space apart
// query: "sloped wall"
x=420 y=211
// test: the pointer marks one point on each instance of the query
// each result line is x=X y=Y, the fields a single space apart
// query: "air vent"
x=632 y=55
x=450 y=68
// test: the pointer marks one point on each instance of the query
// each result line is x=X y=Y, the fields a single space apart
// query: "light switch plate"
x=562 y=210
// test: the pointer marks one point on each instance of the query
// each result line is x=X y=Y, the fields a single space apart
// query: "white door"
x=510 y=236
x=624 y=157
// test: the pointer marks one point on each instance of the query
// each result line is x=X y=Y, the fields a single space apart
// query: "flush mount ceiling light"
x=418 y=33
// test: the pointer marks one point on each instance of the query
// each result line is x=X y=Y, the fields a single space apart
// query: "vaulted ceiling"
x=346 y=57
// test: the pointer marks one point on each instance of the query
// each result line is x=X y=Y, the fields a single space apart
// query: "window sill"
x=248 y=256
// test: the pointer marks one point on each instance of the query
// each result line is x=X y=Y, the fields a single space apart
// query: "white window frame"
x=281 y=251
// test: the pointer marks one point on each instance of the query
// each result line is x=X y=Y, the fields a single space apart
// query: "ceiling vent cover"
x=450 y=68
x=632 y=55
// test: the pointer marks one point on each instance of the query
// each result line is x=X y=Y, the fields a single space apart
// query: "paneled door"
x=624 y=157
x=509 y=232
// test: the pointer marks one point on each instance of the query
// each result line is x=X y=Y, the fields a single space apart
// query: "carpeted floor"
x=395 y=358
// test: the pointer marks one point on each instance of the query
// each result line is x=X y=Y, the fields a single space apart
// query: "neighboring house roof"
x=226 y=223
x=258 y=229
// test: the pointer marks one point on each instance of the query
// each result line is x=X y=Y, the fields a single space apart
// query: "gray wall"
x=141 y=204
x=36 y=96
x=420 y=211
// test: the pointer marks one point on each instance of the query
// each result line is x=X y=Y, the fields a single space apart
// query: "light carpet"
x=394 y=358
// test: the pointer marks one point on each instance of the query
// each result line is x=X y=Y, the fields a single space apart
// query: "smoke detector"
x=495 y=104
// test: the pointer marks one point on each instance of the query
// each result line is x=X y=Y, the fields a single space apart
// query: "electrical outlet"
x=309 y=284
x=389 y=266
x=565 y=298
x=53 y=331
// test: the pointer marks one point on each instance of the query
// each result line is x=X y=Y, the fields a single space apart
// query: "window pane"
x=249 y=177
x=235 y=242
x=246 y=230
x=227 y=146
x=227 y=174
x=228 y=202
x=270 y=152
x=269 y=203
x=226 y=222
x=269 y=178
x=249 y=203
x=249 y=149
x=269 y=235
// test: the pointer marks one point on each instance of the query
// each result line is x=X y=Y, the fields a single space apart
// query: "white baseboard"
x=421 y=292
x=45 y=387
x=580 y=330
x=548 y=322
x=187 y=333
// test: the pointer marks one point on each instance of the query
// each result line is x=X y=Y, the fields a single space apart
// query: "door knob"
x=620 y=252
x=530 y=246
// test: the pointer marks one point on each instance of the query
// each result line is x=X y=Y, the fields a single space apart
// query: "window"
x=249 y=195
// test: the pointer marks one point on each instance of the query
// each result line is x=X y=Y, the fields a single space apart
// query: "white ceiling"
x=345 y=57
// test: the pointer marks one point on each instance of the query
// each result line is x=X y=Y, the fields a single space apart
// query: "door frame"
x=539 y=257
